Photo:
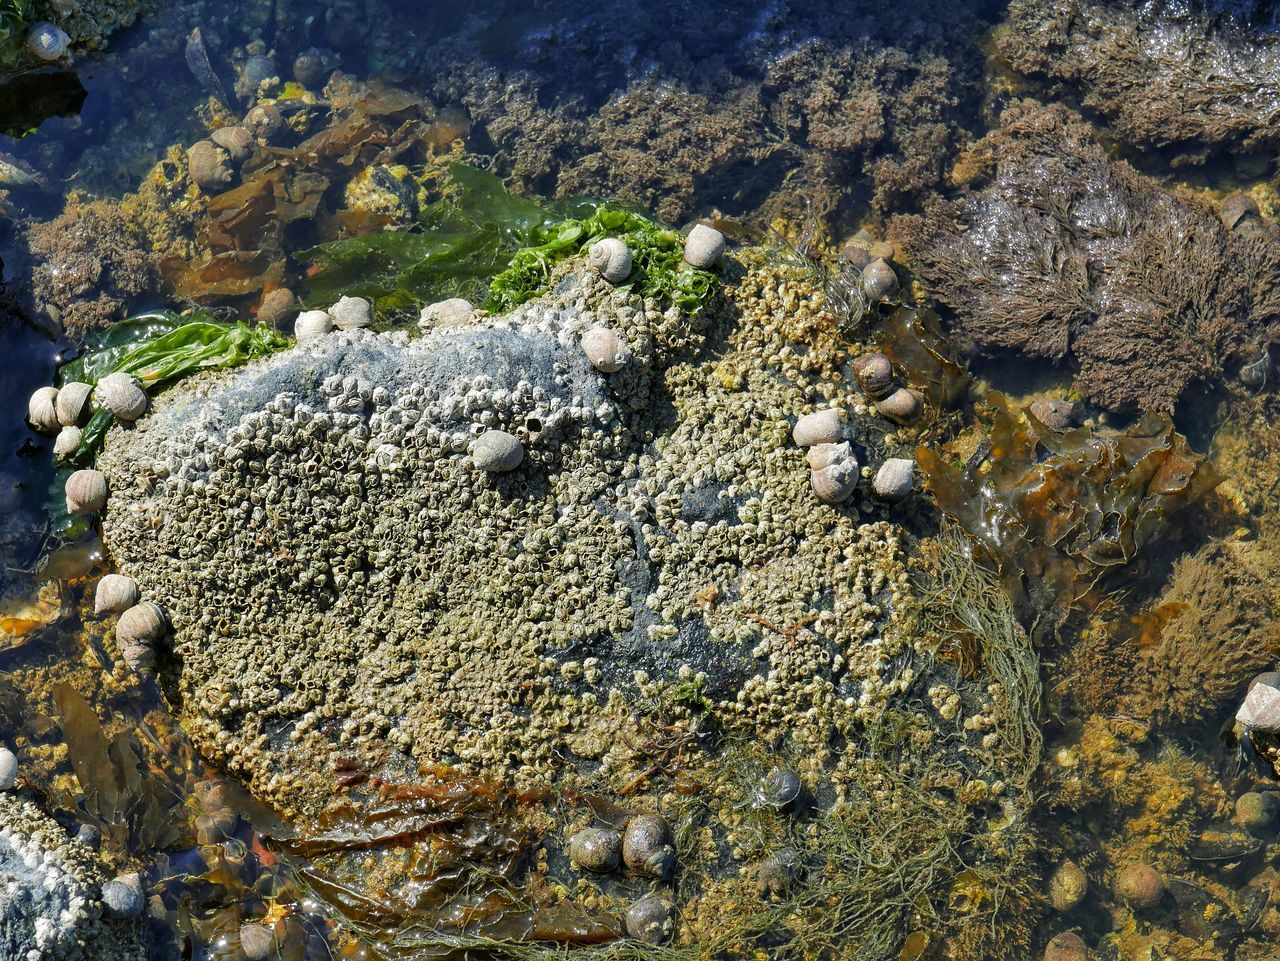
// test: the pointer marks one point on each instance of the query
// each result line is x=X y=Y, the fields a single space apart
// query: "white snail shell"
x=611 y=258
x=143 y=623
x=312 y=324
x=42 y=411
x=67 y=442
x=453 y=312
x=820 y=427
x=73 y=403
x=703 y=247
x=833 y=472
x=605 y=349
x=1261 y=709
x=351 y=312
x=497 y=451
x=47 y=41
x=120 y=394
x=86 y=492
x=894 y=480
x=115 y=592
x=8 y=769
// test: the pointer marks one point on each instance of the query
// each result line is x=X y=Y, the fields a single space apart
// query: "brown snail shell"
x=902 y=406
x=115 y=592
x=143 y=623
x=86 y=492
x=210 y=166
x=820 y=427
x=611 y=258
x=596 y=849
x=257 y=941
x=606 y=351
x=651 y=919
x=42 y=410
x=1237 y=208
x=1056 y=414
x=236 y=141
x=878 y=280
x=647 y=846
x=1067 y=885
x=73 y=403
x=1067 y=946
x=122 y=396
x=1139 y=886
x=875 y=375
x=140 y=658
x=703 y=247
x=67 y=442
x=265 y=121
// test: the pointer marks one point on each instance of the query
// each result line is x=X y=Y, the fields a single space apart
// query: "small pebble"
x=895 y=479
x=89 y=835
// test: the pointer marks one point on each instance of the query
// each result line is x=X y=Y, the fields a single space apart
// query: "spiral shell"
x=901 y=407
x=596 y=849
x=780 y=788
x=894 y=480
x=67 y=442
x=8 y=769
x=42 y=411
x=143 y=624
x=833 y=472
x=651 y=919
x=123 y=396
x=1238 y=208
x=497 y=451
x=86 y=492
x=1139 y=886
x=265 y=121
x=605 y=349
x=312 y=324
x=73 y=403
x=820 y=427
x=878 y=280
x=874 y=374
x=453 y=312
x=1067 y=886
x=647 y=846
x=236 y=141
x=703 y=247
x=122 y=897
x=611 y=258
x=350 y=312
x=47 y=41
x=115 y=592
x=1067 y=946
x=209 y=166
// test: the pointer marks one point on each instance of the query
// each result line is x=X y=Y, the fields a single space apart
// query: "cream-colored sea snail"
x=86 y=492
x=115 y=592
x=820 y=427
x=611 y=258
x=833 y=472
x=73 y=403
x=67 y=442
x=453 y=312
x=122 y=396
x=351 y=312
x=902 y=406
x=497 y=451
x=312 y=324
x=42 y=410
x=703 y=247
x=47 y=41
x=647 y=845
x=606 y=351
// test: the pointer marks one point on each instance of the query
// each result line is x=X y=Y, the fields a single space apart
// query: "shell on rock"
x=1261 y=708
x=596 y=849
x=894 y=480
x=780 y=788
x=209 y=166
x=878 y=280
x=1056 y=414
x=497 y=451
x=778 y=873
x=833 y=472
x=236 y=141
x=143 y=623
x=122 y=897
x=447 y=313
x=8 y=769
x=257 y=941
x=86 y=492
x=647 y=845
x=703 y=247
x=73 y=403
x=122 y=396
x=1237 y=208
x=351 y=312
x=310 y=66
x=115 y=592
x=611 y=258
x=605 y=349
x=820 y=427
x=651 y=919
x=47 y=41
x=265 y=121
x=140 y=658
x=874 y=374
x=1067 y=885
x=275 y=304
x=1256 y=811
x=901 y=407
x=42 y=410
x=67 y=442
x=312 y=324
x=1067 y=946
x=1139 y=886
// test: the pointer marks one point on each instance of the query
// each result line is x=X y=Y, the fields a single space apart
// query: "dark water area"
x=900 y=583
